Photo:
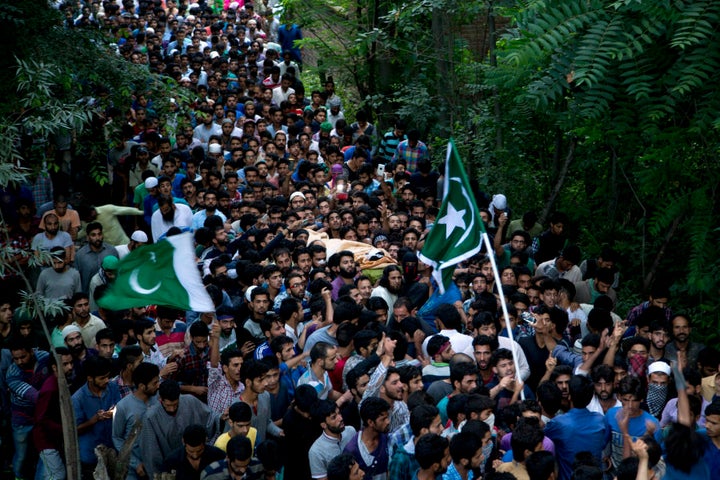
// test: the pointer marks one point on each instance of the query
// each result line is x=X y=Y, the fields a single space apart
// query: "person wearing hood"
x=26 y=327
x=498 y=207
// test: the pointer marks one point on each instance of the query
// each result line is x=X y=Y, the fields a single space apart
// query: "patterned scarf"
x=637 y=366
x=656 y=396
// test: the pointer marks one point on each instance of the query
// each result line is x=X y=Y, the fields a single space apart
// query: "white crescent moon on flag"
x=135 y=284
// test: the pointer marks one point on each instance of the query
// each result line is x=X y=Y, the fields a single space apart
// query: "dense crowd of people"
x=332 y=353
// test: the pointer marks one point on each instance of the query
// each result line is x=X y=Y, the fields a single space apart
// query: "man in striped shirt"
x=391 y=140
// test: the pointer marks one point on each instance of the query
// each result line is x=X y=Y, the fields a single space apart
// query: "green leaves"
x=12 y=14
x=55 y=74
x=43 y=113
x=638 y=83
x=11 y=174
x=696 y=22
x=33 y=305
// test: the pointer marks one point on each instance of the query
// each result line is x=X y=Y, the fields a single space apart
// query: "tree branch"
x=560 y=181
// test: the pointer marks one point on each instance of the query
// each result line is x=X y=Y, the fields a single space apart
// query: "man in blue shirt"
x=631 y=394
x=712 y=436
x=579 y=429
x=272 y=327
x=94 y=404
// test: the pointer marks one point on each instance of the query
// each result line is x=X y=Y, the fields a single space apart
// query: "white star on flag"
x=452 y=220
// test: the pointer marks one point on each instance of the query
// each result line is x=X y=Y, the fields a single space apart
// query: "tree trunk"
x=67 y=414
x=612 y=205
x=492 y=54
x=374 y=19
x=562 y=174
x=123 y=459
x=648 y=280
x=442 y=35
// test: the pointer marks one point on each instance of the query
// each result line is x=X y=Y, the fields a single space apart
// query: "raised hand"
x=551 y=362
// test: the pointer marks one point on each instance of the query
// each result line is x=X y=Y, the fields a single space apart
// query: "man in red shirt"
x=48 y=433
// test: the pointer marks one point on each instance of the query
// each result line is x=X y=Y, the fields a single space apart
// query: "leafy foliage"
x=31 y=304
x=637 y=84
x=64 y=81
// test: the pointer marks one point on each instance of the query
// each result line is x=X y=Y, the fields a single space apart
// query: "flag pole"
x=503 y=305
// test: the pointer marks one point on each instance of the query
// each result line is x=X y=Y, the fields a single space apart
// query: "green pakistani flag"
x=164 y=273
x=458 y=230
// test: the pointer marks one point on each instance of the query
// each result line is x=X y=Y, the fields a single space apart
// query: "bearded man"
x=168 y=215
x=347 y=270
x=390 y=285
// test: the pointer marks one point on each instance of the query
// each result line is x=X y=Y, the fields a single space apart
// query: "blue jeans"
x=50 y=466
x=21 y=437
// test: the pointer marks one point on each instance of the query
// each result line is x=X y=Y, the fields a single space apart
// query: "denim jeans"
x=50 y=466
x=21 y=437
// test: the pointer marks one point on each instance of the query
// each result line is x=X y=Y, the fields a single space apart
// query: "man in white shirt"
x=449 y=322
x=288 y=62
x=281 y=93
x=207 y=128
x=168 y=215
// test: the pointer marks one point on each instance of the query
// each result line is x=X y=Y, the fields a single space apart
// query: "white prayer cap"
x=248 y=293
x=69 y=330
x=659 y=367
x=139 y=236
x=297 y=194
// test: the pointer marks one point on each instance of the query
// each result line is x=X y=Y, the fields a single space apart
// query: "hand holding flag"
x=459 y=232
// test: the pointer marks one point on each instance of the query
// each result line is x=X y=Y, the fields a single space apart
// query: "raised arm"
x=586 y=366
x=385 y=219
x=118 y=210
x=215 y=345
x=684 y=415
x=297 y=360
x=497 y=241
x=385 y=350
x=639 y=448
x=329 y=312
x=614 y=343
